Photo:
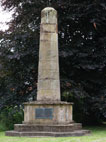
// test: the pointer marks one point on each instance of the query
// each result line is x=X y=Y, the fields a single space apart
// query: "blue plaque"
x=44 y=113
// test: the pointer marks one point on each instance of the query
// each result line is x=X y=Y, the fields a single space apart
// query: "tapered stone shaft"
x=48 y=72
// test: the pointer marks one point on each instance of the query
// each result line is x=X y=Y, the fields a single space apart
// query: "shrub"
x=10 y=116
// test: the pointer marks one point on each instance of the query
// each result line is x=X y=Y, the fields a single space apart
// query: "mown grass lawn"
x=98 y=134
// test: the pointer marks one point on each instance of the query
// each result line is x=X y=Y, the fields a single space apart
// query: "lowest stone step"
x=48 y=134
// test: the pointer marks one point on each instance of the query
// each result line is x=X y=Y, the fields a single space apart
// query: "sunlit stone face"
x=49 y=15
x=48 y=74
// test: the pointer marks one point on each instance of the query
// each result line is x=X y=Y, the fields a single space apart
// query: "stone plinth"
x=61 y=113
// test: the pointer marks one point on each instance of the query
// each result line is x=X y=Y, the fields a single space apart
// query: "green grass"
x=98 y=134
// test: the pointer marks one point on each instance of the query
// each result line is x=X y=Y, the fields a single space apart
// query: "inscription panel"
x=44 y=113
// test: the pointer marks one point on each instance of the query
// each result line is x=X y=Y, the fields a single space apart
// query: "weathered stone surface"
x=49 y=15
x=46 y=102
x=50 y=85
x=47 y=93
x=48 y=28
x=48 y=37
x=47 y=128
x=62 y=113
x=48 y=51
x=48 y=134
x=48 y=65
x=48 y=78
x=51 y=74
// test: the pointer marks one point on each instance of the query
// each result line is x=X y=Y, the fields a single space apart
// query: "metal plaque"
x=44 y=113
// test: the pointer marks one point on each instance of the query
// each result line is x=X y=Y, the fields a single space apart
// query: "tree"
x=82 y=52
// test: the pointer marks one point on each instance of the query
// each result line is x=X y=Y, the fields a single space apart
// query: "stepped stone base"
x=25 y=130
x=48 y=119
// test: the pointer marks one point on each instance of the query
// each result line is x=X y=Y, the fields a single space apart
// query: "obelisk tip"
x=49 y=15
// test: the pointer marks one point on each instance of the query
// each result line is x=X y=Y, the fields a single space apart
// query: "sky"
x=5 y=16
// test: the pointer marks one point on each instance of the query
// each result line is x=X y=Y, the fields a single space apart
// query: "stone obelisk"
x=48 y=78
x=48 y=116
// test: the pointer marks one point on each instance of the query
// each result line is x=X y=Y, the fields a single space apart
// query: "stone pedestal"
x=48 y=119
x=47 y=113
x=48 y=116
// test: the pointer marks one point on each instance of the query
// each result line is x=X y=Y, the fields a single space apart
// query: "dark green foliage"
x=10 y=116
x=82 y=52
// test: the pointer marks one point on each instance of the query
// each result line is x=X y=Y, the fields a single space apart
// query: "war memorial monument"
x=48 y=115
